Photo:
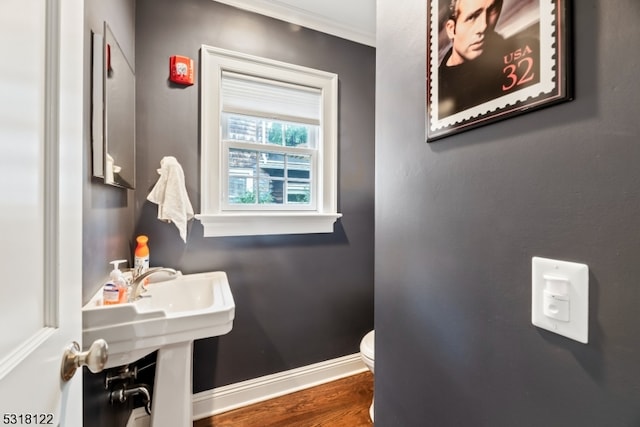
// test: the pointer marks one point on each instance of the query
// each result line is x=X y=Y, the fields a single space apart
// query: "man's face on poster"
x=471 y=21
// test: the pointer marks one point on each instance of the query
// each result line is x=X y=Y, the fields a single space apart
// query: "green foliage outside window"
x=293 y=135
x=249 y=197
x=299 y=198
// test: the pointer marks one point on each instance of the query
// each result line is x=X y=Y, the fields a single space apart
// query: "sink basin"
x=179 y=310
x=197 y=295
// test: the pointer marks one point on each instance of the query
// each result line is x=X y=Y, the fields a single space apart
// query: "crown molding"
x=305 y=18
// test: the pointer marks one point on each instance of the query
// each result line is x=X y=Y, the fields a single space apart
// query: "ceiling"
x=349 y=19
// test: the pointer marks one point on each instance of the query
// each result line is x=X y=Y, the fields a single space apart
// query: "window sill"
x=252 y=224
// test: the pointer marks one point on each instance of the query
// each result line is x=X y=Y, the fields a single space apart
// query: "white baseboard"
x=238 y=395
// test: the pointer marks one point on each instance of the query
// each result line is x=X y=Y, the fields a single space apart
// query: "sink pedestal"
x=172 y=403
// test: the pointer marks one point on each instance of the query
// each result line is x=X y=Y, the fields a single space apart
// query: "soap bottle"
x=110 y=294
x=117 y=278
x=141 y=255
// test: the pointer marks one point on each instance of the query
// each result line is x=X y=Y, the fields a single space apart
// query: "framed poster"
x=488 y=60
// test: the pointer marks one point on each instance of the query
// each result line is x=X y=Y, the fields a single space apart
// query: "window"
x=269 y=146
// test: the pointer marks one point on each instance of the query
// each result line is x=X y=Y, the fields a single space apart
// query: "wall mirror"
x=113 y=112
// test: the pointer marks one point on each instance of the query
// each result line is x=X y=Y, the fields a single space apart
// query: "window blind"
x=244 y=94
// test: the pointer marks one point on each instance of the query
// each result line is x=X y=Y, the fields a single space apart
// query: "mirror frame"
x=105 y=167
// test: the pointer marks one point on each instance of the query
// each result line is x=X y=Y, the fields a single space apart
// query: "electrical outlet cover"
x=577 y=275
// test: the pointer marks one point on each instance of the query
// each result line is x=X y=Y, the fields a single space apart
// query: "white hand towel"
x=170 y=194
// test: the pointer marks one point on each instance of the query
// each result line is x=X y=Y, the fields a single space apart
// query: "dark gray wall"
x=299 y=299
x=108 y=212
x=457 y=223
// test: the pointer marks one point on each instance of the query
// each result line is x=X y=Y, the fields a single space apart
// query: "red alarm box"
x=181 y=70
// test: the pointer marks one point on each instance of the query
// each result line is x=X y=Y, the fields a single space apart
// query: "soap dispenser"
x=110 y=294
x=117 y=278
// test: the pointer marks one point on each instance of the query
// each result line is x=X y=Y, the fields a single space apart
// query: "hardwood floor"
x=341 y=403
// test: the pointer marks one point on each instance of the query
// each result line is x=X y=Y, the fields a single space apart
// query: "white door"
x=41 y=91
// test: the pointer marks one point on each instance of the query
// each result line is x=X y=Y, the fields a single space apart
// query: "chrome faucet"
x=136 y=283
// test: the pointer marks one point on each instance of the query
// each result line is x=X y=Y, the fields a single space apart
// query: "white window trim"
x=219 y=222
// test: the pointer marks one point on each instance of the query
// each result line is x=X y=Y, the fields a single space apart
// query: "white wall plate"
x=560 y=297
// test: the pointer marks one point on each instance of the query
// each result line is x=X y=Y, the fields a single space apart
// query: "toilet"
x=367 y=355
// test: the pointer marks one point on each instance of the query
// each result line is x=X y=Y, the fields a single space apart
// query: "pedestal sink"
x=169 y=316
